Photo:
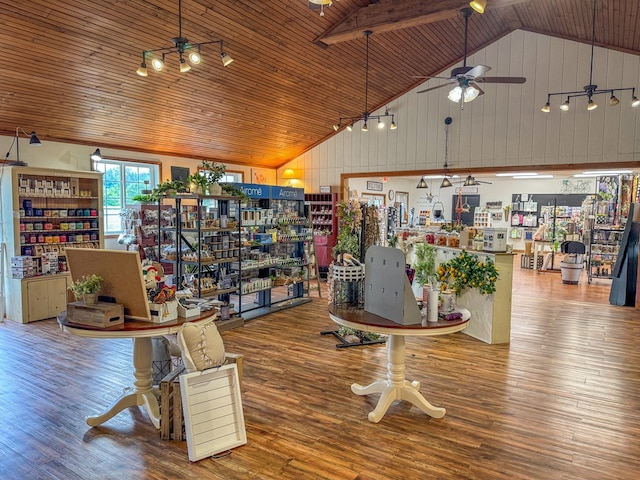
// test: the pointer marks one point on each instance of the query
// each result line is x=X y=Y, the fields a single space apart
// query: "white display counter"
x=490 y=314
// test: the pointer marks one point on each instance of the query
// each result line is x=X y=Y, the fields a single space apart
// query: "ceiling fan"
x=466 y=78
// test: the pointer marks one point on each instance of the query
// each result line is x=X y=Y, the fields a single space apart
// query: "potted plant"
x=198 y=183
x=86 y=288
x=213 y=172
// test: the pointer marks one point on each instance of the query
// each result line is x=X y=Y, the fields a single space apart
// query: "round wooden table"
x=396 y=387
x=141 y=332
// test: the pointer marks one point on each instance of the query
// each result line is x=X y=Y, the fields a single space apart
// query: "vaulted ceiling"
x=68 y=67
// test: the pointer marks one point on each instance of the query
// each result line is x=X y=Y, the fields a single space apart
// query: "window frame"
x=123 y=164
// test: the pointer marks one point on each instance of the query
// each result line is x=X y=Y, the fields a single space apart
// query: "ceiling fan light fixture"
x=478 y=5
x=470 y=94
x=565 y=106
x=591 y=105
x=455 y=94
x=422 y=183
x=365 y=128
x=469 y=181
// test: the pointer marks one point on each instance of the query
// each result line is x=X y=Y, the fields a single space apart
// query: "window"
x=122 y=180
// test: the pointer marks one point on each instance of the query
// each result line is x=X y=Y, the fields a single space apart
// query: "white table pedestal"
x=395 y=387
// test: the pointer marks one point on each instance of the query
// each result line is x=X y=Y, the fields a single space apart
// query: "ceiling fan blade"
x=477 y=87
x=434 y=88
x=477 y=71
x=501 y=79
x=427 y=76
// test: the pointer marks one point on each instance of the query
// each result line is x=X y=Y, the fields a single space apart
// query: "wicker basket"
x=348 y=286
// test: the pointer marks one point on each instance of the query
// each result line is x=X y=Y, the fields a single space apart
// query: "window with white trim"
x=122 y=180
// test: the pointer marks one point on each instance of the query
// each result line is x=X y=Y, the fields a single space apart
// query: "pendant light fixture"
x=478 y=5
x=445 y=181
x=366 y=116
x=590 y=90
x=182 y=47
x=422 y=183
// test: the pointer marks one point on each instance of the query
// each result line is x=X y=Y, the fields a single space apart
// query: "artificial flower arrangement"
x=467 y=271
x=349 y=215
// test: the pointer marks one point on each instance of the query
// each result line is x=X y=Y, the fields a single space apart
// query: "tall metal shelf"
x=275 y=269
x=206 y=240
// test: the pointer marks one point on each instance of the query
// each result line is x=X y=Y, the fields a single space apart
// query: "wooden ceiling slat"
x=279 y=97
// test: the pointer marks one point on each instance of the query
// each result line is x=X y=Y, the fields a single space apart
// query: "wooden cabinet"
x=44 y=211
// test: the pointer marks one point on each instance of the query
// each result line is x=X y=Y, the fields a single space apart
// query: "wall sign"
x=375 y=186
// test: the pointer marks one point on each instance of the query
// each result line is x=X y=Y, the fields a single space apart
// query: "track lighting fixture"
x=366 y=116
x=590 y=90
x=181 y=46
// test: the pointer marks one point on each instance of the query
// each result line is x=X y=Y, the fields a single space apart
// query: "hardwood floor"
x=561 y=401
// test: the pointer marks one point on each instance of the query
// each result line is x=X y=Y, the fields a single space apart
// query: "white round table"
x=396 y=387
x=142 y=393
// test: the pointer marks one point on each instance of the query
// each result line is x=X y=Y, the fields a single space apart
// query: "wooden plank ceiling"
x=68 y=67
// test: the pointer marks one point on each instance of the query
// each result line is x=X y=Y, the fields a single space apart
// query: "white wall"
x=66 y=156
x=503 y=127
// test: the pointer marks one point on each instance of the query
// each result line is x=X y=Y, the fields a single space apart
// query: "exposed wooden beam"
x=389 y=15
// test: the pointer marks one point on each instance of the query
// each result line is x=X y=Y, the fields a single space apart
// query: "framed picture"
x=402 y=202
x=375 y=186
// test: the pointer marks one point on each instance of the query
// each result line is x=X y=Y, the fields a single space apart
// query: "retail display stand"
x=387 y=291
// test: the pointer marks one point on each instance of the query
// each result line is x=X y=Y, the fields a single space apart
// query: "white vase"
x=214 y=189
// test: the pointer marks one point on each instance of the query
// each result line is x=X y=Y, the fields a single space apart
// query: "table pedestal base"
x=395 y=387
x=142 y=394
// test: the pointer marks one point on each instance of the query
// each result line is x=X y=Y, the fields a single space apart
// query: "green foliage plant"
x=467 y=271
x=86 y=284
x=425 y=264
x=212 y=171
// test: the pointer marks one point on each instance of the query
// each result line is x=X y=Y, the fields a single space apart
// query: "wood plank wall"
x=504 y=127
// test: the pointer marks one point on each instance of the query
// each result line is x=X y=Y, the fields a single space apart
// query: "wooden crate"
x=171 y=413
x=101 y=314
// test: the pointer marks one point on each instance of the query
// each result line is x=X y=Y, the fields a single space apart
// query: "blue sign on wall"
x=287 y=193
x=254 y=190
